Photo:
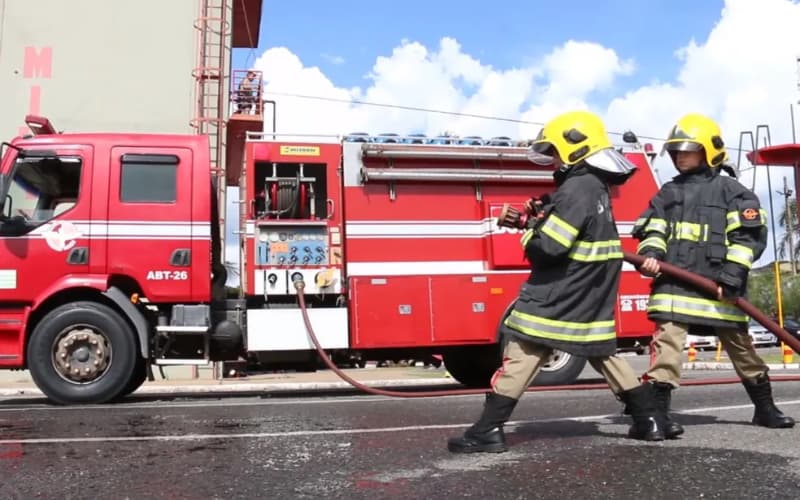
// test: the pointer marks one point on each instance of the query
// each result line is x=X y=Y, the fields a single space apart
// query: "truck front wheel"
x=137 y=378
x=82 y=353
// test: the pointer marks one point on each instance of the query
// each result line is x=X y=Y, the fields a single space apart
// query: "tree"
x=783 y=247
x=761 y=293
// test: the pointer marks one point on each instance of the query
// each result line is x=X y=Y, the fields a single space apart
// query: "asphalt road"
x=563 y=444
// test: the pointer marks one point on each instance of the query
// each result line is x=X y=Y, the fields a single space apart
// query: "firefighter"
x=712 y=225
x=568 y=301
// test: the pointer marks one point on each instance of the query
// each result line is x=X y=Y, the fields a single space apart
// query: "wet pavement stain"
x=721 y=455
x=303 y=468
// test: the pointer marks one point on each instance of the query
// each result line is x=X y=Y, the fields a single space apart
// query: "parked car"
x=761 y=336
x=791 y=325
x=701 y=343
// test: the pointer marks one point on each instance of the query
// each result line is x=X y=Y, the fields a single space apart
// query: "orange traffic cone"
x=692 y=353
x=788 y=353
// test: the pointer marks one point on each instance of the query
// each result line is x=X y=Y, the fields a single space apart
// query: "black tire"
x=137 y=378
x=562 y=369
x=98 y=320
x=474 y=366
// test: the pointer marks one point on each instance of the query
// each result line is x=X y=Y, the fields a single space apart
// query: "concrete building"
x=160 y=66
x=144 y=66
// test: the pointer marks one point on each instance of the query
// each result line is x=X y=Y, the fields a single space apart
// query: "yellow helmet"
x=579 y=136
x=574 y=135
x=695 y=131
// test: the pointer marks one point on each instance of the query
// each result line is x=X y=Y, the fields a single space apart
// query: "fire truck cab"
x=111 y=254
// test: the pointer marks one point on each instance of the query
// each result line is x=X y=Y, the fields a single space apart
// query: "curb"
x=713 y=365
x=254 y=387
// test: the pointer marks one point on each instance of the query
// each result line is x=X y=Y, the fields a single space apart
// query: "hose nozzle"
x=510 y=217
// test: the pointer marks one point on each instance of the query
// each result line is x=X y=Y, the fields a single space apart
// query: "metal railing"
x=246 y=92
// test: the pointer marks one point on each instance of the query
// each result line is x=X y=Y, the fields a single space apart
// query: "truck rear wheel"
x=474 y=366
x=562 y=368
x=83 y=352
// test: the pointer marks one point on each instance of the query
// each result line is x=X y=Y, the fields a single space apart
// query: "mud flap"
x=133 y=314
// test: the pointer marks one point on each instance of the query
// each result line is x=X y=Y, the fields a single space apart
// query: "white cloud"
x=446 y=79
x=743 y=73
x=578 y=68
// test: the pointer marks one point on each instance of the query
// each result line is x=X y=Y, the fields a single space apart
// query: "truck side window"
x=39 y=185
x=149 y=178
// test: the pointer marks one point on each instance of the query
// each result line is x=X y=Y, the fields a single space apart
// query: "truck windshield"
x=42 y=188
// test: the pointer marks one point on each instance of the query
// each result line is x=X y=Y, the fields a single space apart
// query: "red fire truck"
x=111 y=254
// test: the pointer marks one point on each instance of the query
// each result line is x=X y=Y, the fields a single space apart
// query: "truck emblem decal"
x=62 y=236
x=749 y=213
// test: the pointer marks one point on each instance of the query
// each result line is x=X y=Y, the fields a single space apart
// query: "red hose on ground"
x=637 y=260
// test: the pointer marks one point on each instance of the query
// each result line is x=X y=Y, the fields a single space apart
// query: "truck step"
x=182 y=329
x=183 y=362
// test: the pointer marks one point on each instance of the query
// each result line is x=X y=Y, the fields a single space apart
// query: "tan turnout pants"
x=668 y=346
x=523 y=360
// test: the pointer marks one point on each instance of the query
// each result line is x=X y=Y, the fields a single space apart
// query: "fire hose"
x=510 y=217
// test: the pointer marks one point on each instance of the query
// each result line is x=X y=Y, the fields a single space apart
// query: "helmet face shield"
x=681 y=146
x=612 y=161
x=543 y=147
x=542 y=154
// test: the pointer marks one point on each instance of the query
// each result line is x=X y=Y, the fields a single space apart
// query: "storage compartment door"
x=392 y=311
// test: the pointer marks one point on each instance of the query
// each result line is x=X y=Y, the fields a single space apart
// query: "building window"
x=149 y=178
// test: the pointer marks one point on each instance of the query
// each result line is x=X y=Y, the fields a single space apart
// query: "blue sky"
x=739 y=66
x=510 y=34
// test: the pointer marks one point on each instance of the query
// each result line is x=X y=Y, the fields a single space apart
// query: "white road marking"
x=337 y=432
x=203 y=404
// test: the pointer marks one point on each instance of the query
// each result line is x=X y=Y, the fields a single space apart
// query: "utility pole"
x=787 y=193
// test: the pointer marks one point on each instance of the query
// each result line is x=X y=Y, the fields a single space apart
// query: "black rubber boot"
x=648 y=423
x=486 y=435
x=766 y=413
x=663 y=395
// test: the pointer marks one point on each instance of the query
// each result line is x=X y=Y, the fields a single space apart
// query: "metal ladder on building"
x=213 y=28
x=213 y=39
